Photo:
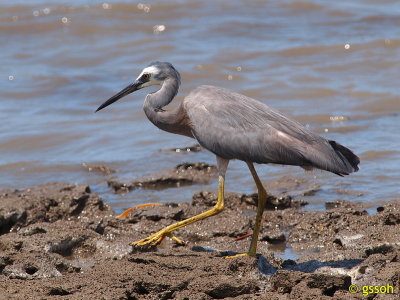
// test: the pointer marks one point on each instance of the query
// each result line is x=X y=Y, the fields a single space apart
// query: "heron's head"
x=154 y=74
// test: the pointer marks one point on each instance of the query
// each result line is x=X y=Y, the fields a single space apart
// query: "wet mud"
x=183 y=174
x=99 y=169
x=61 y=241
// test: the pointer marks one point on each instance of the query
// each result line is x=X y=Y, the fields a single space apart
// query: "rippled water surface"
x=332 y=65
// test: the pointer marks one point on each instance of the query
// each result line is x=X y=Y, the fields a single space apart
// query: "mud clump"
x=62 y=241
x=294 y=282
x=183 y=174
x=100 y=169
x=245 y=201
x=47 y=203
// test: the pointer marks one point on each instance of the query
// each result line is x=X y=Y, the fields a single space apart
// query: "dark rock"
x=284 y=281
x=231 y=289
x=383 y=249
x=183 y=174
x=66 y=246
x=31 y=269
x=329 y=284
x=79 y=203
x=34 y=230
x=273 y=236
x=338 y=242
x=58 y=291
x=12 y=219
x=392 y=219
x=233 y=200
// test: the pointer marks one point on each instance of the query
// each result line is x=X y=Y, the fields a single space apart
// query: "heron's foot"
x=157 y=238
x=240 y=255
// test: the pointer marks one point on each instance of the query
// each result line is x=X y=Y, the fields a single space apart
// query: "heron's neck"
x=156 y=101
x=174 y=121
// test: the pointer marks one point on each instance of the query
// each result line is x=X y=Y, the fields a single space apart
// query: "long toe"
x=157 y=238
x=240 y=255
x=178 y=241
x=126 y=212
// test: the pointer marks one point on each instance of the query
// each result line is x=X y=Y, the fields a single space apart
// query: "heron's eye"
x=146 y=76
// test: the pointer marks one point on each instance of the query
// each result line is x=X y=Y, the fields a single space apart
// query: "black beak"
x=126 y=91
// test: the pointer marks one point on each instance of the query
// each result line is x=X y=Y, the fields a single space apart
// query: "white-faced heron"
x=233 y=126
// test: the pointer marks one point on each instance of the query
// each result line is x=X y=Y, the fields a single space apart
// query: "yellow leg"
x=157 y=237
x=262 y=199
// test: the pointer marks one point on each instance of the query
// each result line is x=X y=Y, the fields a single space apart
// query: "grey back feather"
x=234 y=126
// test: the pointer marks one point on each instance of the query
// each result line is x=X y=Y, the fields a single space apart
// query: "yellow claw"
x=157 y=238
x=151 y=240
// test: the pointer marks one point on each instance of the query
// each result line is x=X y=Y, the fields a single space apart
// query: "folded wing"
x=234 y=126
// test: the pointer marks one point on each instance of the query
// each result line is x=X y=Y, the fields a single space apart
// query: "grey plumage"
x=165 y=70
x=251 y=131
x=233 y=126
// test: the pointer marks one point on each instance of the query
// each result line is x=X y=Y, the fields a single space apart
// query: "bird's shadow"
x=266 y=268
x=307 y=267
x=312 y=265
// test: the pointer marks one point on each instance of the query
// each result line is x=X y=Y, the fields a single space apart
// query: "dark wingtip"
x=342 y=174
x=352 y=159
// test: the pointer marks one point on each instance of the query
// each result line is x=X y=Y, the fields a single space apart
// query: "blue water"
x=331 y=65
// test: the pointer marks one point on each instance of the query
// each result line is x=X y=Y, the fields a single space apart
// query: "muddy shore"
x=61 y=241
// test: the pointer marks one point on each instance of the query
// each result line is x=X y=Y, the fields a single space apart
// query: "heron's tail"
x=347 y=157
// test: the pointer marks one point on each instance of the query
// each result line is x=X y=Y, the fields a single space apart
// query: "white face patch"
x=150 y=70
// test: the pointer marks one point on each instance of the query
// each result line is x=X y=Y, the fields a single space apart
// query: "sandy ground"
x=61 y=241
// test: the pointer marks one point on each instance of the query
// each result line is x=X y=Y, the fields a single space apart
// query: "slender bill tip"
x=100 y=107
x=129 y=89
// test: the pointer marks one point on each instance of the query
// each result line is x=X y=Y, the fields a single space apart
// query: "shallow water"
x=333 y=66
